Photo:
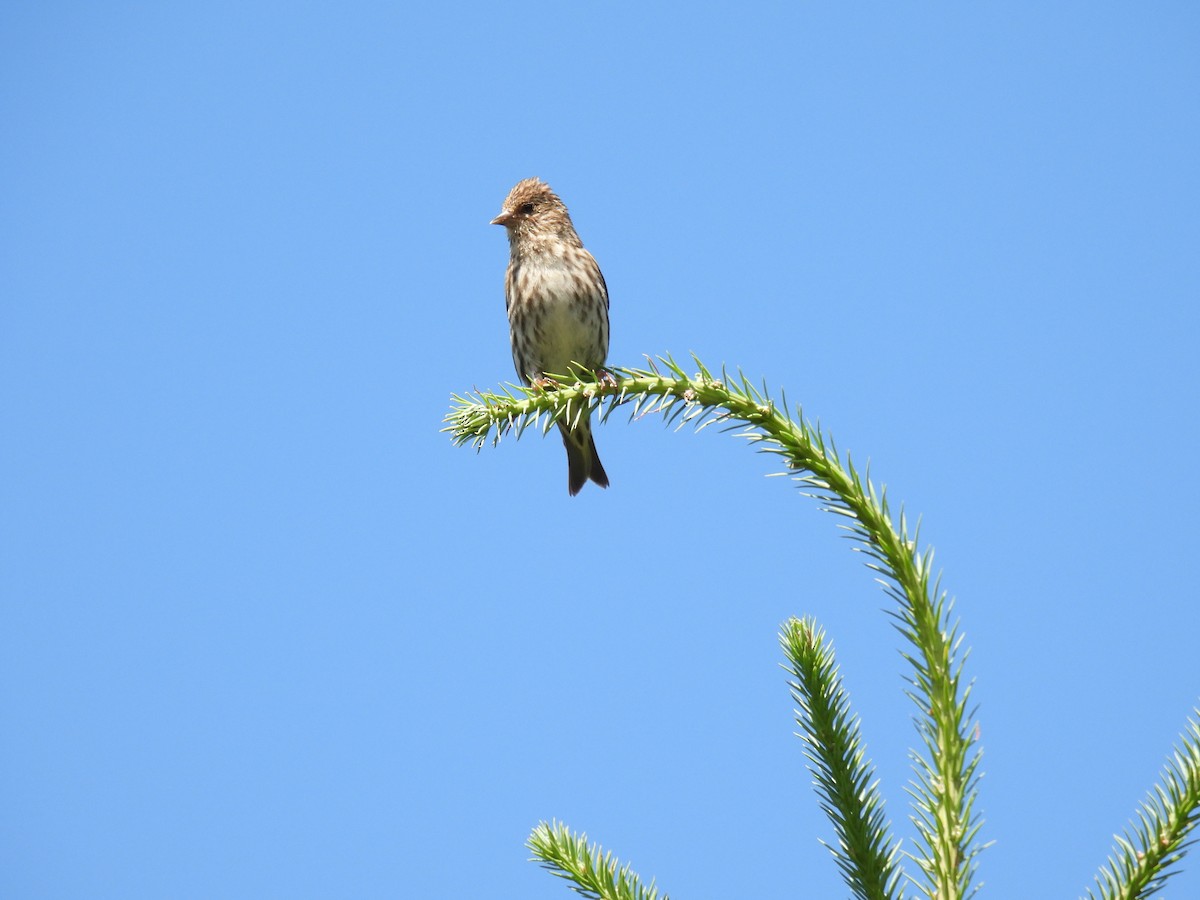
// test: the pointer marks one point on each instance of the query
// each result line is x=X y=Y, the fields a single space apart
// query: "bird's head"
x=532 y=209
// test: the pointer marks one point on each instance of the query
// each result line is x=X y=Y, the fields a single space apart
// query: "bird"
x=557 y=304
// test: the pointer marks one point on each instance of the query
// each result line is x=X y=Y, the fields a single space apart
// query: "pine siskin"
x=557 y=308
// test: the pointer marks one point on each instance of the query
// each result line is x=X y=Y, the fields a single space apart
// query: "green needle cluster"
x=944 y=788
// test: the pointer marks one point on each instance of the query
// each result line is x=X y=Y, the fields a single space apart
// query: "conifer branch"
x=945 y=786
x=1152 y=847
x=866 y=853
x=592 y=872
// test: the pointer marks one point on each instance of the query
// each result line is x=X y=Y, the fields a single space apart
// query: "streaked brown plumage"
x=557 y=307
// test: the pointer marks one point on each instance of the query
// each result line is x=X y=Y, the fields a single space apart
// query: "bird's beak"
x=503 y=219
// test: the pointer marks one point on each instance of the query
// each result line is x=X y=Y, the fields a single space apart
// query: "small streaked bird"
x=557 y=308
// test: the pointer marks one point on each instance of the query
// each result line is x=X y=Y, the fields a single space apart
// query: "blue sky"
x=266 y=633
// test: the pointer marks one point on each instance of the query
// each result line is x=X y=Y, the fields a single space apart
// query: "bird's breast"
x=554 y=311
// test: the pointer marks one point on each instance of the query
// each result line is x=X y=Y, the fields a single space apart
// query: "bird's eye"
x=526 y=209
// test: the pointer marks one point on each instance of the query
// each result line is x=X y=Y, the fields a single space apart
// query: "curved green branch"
x=945 y=787
x=944 y=790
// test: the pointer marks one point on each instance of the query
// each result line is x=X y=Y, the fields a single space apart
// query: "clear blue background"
x=266 y=633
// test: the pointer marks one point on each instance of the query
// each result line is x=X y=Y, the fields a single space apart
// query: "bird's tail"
x=582 y=460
